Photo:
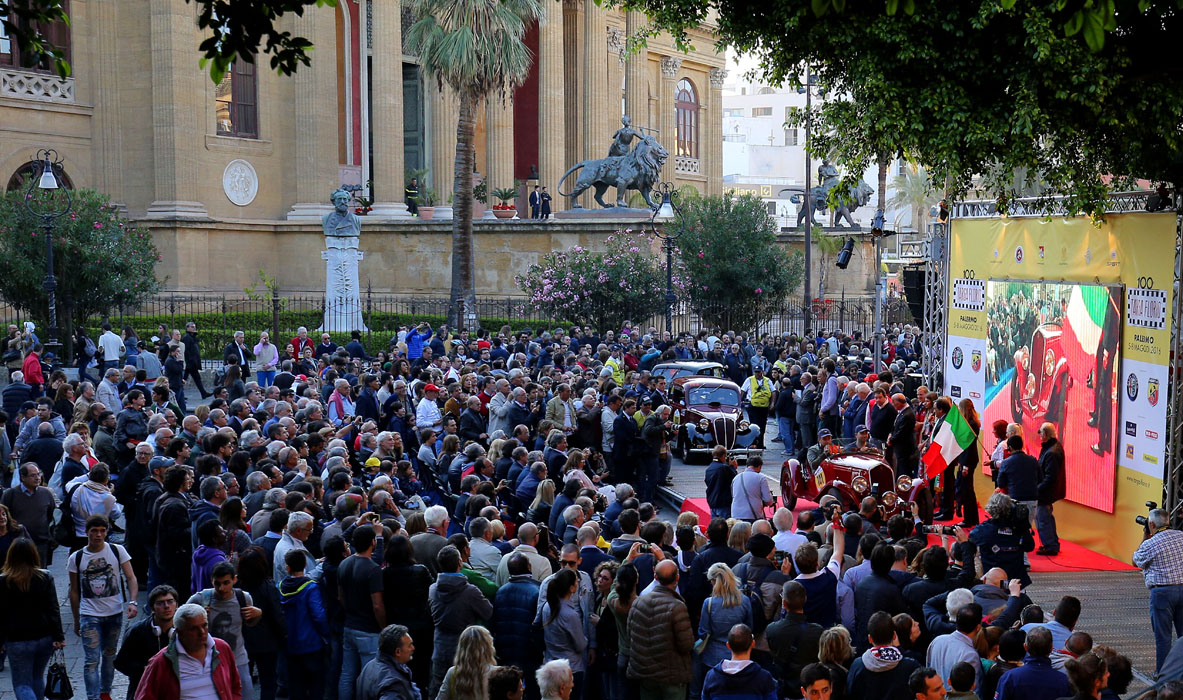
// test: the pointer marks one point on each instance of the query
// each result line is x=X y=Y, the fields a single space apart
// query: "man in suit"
x=238 y=353
x=535 y=204
x=545 y=203
x=902 y=440
x=472 y=423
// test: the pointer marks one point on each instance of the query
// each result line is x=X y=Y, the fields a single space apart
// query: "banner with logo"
x=1072 y=320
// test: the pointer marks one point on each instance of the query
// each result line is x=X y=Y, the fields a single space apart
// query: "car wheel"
x=846 y=506
x=788 y=490
x=924 y=505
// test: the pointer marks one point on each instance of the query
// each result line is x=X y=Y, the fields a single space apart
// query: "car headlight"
x=904 y=483
x=1049 y=362
x=744 y=425
x=890 y=499
x=859 y=484
x=704 y=425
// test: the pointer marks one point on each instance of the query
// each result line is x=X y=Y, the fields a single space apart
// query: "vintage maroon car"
x=709 y=413
x=1039 y=390
x=852 y=476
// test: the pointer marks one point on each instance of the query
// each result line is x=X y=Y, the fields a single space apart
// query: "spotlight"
x=845 y=254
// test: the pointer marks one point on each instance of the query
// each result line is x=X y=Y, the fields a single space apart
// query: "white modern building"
x=763 y=155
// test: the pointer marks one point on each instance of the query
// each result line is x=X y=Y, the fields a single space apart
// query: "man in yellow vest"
x=616 y=363
x=757 y=391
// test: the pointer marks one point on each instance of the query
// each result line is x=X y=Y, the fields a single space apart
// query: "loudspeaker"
x=913 y=278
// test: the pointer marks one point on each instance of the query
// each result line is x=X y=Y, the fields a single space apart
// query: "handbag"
x=700 y=645
x=57 y=679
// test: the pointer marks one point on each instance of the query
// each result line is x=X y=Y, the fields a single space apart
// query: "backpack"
x=89 y=349
x=207 y=599
x=63 y=531
x=751 y=589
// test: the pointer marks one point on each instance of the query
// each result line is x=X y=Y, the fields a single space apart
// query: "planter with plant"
x=505 y=210
x=426 y=202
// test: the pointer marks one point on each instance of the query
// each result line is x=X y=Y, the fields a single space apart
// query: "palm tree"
x=474 y=47
x=914 y=190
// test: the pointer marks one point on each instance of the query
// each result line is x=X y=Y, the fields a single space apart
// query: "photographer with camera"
x=1160 y=556
x=1004 y=537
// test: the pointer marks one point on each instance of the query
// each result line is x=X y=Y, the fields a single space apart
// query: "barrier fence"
x=219 y=315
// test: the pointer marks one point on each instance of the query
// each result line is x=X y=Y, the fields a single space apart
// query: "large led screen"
x=1052 y=355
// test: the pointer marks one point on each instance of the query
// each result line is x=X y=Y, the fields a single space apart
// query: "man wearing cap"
x=141 y=537
x=862 y=442
x=757 y=391
x=427 y=413
x=824 y=448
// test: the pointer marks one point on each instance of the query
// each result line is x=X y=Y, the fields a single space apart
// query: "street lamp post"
x=807 y=200
x=46 y=178
x=664 y=213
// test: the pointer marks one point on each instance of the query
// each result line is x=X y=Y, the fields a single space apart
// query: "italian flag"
x=953 y=437
x=1082 y=326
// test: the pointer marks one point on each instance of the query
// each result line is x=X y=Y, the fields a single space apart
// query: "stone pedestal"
x=342 y=293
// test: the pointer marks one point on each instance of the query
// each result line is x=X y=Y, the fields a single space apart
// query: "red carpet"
x=1072 y=557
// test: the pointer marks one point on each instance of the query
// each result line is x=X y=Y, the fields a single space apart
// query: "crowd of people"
x=472 y=516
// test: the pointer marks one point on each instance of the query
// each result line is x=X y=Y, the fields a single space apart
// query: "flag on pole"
x=1082 y=326
x=953 y=437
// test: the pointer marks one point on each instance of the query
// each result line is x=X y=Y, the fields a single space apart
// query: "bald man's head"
x=666 y=573
x=528 y=533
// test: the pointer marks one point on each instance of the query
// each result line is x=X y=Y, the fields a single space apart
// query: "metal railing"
x=219 y=315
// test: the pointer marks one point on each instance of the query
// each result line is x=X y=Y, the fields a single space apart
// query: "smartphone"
x=778 y=558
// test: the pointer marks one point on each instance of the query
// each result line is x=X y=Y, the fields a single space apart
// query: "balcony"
x=686 y=165
x=42 y=87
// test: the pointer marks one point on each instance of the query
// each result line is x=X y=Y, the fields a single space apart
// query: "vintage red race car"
x=1039 y=390
x=852 y=476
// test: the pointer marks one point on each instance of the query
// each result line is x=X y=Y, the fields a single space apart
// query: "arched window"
x=20 y=179
x=686 y=110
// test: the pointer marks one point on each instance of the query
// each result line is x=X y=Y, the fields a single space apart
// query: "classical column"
x=670 y=67
x=315 y=119
x=552 y=122
x=636 y=80
x=445 y=113
x=595 y=62
x=710 y=152
x=108 y=152
x=386 y=100
x=499 y=142
x=178 y=105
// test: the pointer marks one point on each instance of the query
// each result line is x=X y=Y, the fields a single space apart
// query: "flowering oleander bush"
x=737 y=275
x=101 y=261
x=627 y=281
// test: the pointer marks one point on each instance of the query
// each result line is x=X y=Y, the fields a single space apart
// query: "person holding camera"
x=1005 y=537
x=1160 y=556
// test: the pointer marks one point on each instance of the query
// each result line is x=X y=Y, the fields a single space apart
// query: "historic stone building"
x=209 y=165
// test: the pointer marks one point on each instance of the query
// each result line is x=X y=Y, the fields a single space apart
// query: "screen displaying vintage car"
x=851 y=476
x=1052 y=353
x=709 y=413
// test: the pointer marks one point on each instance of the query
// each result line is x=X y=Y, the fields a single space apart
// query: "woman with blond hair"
x=690 y=519
x=741 y=530
x=834 y=652
x=725 y=608
x=539 y=511
x=475 y=659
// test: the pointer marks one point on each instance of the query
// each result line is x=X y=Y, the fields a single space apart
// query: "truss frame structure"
x=934 y=328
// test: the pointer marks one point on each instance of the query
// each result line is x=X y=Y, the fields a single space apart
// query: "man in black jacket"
x=237 y=353
x=147 y=636
x=624 y=444
x=1052 y=487
x=903 y=439
x=877 y=592
x=141 y=533
x=192 y=359
x=173 y=541
x=696 y=588
x=792 y=640
x=718 y=480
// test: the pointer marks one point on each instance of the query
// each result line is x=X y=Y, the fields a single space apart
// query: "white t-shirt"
x=100 y=579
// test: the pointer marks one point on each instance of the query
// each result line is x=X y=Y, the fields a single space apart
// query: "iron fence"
x=219 y=315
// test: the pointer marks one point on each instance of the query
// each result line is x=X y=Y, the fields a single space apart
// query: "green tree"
x=476 y=48
x=1075 y=90
x=737 y=276
x=101 y=262
x=603 y=290
x=827 y=246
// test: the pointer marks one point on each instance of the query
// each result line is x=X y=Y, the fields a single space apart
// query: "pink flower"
x=97 y=225
x=758 y=290
x=700 y=254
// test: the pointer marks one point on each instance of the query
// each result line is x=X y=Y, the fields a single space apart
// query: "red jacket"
x=32 y=370
x=161 y=679
x=299 y=345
